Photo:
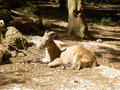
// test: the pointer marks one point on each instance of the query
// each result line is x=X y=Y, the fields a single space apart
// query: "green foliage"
x=106 y=20
x=95 y=25
x=92 y=3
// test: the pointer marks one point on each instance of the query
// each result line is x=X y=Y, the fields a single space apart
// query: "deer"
x=52 y=50
x=76 y=56
x=2 y=24
x=4 y=53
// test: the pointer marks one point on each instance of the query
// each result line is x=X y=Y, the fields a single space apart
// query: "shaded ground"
x=35 y=75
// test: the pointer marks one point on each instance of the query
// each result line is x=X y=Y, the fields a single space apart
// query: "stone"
x=33 y=21
x=20 y=22
x=15 y=38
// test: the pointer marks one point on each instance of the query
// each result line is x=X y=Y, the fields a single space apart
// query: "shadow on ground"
x=14 y=77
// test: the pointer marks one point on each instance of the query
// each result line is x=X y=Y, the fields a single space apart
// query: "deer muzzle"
x=42 y=46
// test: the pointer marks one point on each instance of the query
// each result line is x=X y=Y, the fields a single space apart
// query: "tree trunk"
x=77 y=26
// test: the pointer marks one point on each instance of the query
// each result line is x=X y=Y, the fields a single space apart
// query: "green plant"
x=106 y=20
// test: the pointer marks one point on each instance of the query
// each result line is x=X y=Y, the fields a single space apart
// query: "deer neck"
x=53 y=51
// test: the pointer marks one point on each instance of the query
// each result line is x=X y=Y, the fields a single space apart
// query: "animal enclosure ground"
x=26 y=73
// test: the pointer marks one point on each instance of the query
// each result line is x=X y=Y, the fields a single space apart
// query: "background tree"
x=77 y=26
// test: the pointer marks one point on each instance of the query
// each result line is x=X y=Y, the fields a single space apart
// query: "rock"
x=5 y=15
x=18 y=54
x=21 y=54
x=20 y=22
x=36 y=22
x=99 y=40
x=14 y=54
x=15 y=38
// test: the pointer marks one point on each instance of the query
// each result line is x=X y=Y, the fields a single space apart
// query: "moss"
x=15 y=38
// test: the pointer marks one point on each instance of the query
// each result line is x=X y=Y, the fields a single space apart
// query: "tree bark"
x=77 y=26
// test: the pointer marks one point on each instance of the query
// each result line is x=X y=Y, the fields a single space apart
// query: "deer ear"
x=2 y=22
x=51 y=34
x=46 y=31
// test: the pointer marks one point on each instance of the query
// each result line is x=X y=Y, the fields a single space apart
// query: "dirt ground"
x=23 y=75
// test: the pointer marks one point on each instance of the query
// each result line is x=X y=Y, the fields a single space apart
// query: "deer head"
x=47 y=39
x=2 y=24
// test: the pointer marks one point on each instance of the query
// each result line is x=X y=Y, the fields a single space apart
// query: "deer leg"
x=55 y=63
x=75 y=66
x=95 y=64
x=45 y=60
x=76 y=62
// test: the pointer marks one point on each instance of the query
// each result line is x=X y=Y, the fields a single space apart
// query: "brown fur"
x=77 y=56
x=52 y=50
x=4 y=54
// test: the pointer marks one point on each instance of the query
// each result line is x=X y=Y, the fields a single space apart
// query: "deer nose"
x=41 y=48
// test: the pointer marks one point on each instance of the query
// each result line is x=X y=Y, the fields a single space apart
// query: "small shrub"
x=106 y=20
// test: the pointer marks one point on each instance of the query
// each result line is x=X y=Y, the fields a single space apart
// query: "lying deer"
x=4 y=54
x=77 y=56
x=52 y=50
